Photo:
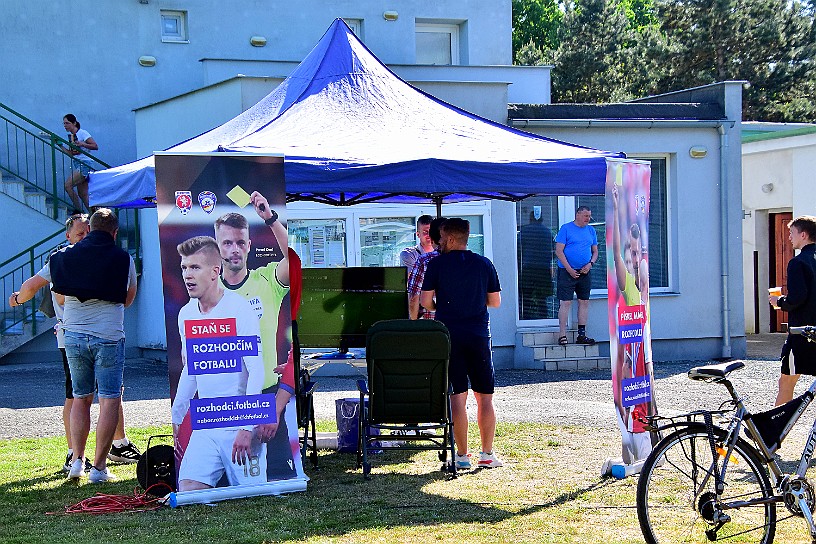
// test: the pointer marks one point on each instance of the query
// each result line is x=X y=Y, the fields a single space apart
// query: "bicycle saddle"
x=719 y=371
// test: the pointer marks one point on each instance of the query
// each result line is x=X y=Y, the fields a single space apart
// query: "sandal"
x=562 y=341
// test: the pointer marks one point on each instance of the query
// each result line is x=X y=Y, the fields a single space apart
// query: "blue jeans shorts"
x=95 y=361
x=83 y=167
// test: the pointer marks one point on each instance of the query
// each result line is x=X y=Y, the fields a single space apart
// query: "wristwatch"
x=271 y=220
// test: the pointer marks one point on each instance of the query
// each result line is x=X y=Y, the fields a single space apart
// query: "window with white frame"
x=356 y=26
x=538 y=220
x=370 y=235
x=174 y=26
x=658 y=228
x=437 y=43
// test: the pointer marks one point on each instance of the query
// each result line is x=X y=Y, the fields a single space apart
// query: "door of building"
x=780 y=252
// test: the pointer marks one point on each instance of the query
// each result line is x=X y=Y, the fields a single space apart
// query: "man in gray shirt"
x=98 y=280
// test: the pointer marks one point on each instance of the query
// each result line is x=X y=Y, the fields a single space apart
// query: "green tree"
x=768 y=43
x=535 y=28
x=590 y=60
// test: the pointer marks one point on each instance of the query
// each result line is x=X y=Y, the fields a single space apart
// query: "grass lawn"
x=548 y=491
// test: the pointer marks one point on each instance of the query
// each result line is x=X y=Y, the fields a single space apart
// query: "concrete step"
x=32 y=197
x=35 y=200
x=570 y=351
x=21 y=333
x=13 y=188
x=62 y=210
x=545 y=353
x=569 y=364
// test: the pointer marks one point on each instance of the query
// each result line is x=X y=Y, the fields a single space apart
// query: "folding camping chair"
x=407 y=391
x=304 y=399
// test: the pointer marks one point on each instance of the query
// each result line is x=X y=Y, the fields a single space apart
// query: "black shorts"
x=279 y=465
x=798 y=356
x=69 y=388
x=471 y=360
x=567 y=285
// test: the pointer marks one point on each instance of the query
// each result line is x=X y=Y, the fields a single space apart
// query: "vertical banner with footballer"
x=627 y=242
x=222 y=232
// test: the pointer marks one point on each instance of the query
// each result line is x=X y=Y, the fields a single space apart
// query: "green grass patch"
x=548 y=491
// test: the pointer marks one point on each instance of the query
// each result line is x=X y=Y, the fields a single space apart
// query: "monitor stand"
x=339 y=354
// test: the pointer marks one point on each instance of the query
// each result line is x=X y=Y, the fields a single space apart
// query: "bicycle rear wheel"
x=674 y=504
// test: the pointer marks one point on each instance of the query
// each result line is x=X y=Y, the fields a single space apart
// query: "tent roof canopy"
x=351 y=131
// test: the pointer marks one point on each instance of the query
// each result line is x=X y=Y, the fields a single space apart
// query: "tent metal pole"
x=438 y=201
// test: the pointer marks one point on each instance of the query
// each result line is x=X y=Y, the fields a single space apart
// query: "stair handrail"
x=53 y=137
x=32 y=247
x=30 y=308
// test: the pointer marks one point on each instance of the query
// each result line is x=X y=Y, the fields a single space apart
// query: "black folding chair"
x=407 y=391
x=304 y=399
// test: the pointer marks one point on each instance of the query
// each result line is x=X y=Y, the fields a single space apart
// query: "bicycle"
x=705 y=482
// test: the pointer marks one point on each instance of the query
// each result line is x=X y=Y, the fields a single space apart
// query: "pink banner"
x=627 y=264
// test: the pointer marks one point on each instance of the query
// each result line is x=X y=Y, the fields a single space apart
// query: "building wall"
x=777 y=177
x=82 y=57
x=687 y=321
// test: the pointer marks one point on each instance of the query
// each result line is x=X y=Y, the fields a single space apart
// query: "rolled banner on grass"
x=175 y=500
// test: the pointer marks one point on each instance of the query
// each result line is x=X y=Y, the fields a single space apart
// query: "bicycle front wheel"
x=676 y=498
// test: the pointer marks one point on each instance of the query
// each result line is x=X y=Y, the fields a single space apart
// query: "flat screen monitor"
x=339 y=305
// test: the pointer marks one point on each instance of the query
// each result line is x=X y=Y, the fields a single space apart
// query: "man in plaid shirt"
x=417 y=275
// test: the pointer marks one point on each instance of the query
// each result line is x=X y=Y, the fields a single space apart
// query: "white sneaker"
x=99 y=476
x=77 y=469
x=489 y=460
x=463 y=461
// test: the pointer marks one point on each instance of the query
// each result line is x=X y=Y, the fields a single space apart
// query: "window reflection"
x=320 y=243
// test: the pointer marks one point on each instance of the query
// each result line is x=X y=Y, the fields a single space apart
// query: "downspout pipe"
x=726 y=314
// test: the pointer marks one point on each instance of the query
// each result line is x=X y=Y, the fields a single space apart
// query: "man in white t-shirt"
x=239 y=452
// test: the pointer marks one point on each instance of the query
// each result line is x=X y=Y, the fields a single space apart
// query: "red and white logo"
x=184 y=201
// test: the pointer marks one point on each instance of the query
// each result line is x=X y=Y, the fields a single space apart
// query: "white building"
x=178 y=68
x=778 y=161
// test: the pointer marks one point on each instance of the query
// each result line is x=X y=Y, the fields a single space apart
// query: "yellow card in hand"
x=239 y=196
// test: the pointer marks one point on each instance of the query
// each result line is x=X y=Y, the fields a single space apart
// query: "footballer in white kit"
x=213 y=453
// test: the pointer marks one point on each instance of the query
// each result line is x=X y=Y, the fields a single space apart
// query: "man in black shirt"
x=798 y=354
x=460 y=286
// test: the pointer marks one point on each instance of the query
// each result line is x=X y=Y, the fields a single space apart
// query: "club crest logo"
x=207 y=201
x=184 y=201
x=640 y=204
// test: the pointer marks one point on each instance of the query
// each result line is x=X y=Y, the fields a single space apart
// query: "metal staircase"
x=33 y=168
x=34 y=165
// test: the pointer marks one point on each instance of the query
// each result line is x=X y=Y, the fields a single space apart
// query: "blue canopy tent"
x=351 y=131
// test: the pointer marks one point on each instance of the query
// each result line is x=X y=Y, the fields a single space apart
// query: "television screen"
x=340 y=304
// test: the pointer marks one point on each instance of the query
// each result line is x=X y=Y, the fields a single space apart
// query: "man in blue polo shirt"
x=460 y=286
x=576 y=246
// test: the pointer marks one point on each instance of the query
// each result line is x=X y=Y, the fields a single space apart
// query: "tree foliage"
x=768 y=43
x=606 y=50
x=536 y=22
x=589 y=60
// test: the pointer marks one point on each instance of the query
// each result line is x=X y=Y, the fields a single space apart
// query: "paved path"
x=31 y=394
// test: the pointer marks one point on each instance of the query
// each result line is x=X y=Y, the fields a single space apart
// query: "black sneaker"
x=126 y=454
x=66 y=468
x=586 y=340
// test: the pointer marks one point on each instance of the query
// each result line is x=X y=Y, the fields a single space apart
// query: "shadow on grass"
x=405 y=491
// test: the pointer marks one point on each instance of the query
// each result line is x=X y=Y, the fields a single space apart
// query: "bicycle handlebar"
x=808 y=331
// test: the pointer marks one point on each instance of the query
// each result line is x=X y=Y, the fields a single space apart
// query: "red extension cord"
x=115 y=504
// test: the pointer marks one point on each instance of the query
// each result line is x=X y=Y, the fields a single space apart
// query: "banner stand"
x=627 y=277
x=205 y=496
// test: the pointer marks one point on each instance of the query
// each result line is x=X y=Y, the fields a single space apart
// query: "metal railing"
x=36 y=158
x=24 y=265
